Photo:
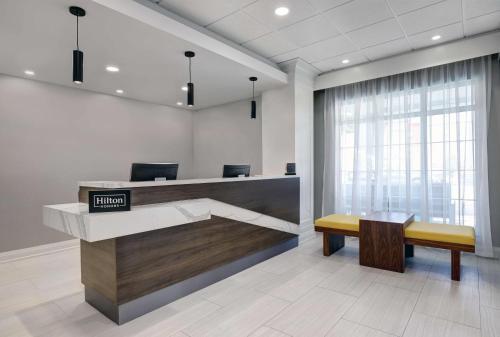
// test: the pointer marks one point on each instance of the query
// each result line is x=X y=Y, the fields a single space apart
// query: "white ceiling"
x=40 y=35
x=325 y=32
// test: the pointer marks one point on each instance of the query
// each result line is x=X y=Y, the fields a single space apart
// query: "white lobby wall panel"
x=51 y=137
x=278 y=129
x=226 y=134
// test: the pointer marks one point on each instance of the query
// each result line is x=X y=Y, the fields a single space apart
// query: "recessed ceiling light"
x=345 y=61
x=281 y=11
x=119 y=91
x=112 y=69
x=179 y=103
x=29 y=72
x=436 y=37
x=184 y=88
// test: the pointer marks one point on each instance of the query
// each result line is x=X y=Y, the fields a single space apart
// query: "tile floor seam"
x=453 y=283
x=279 y=312
x=479 y=301
x=413 y=309
x=211 y=302
x=336 y=323
x=283 y=332
x=281 y=299
x=43 y=325
x=342 y=292
x=337 y=292
x=366 y=326
x=446 y=319
x=399 y=287
x=350 y=307
x=182 y=331
x=206 y=298
x=270 y=327
x=300 y=297
x=276 y=329
x=201 y=318
x=333 y=291
x=456 y=282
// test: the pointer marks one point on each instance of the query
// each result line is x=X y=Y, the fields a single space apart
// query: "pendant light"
x=77 y=53
x=253 y=111
x=190 y=85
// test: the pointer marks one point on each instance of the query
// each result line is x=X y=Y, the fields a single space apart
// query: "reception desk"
x=178 y=237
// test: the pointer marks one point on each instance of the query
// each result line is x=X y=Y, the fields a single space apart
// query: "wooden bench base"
x=334 y=239
x=409 y=250
x=455 y=249
x=455 y=265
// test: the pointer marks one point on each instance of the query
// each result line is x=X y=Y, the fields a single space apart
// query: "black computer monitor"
x=153 y=171
x=234 y=171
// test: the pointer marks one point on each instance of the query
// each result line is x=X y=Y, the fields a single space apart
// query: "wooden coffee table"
x=381 y=240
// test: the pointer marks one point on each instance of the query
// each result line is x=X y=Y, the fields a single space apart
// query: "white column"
x=287 y=134
x=278 y=129
x=304 y=143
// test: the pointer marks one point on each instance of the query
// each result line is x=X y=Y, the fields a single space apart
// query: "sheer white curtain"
x=413 y=142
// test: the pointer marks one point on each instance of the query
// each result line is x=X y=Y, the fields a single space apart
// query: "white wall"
x=51 y=137
x=278 y=130
x=226 y=134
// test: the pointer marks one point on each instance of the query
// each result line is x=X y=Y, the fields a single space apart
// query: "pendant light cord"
x=253 y=89
x=77 y=46
x=189 y=70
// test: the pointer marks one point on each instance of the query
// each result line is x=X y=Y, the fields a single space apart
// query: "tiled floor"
x=299 y=293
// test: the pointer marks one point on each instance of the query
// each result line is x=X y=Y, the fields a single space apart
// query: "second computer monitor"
x=153 y=171
x=234 y=171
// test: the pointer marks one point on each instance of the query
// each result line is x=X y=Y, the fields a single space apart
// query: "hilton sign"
x=109 y=201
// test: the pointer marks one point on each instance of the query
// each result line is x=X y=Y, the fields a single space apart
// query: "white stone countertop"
x=129 y=184
x=74 y=219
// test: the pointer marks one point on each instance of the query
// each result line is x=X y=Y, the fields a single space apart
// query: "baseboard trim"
x=20 y=254
x=496 y=252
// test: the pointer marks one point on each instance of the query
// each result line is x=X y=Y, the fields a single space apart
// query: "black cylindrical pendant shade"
x=253 y=113
x=77 y=66
x=190 y=94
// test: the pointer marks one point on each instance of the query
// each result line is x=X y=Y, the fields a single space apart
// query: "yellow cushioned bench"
x=457 y=239
x=462 y=235
x=334 y=228
x=339 y=221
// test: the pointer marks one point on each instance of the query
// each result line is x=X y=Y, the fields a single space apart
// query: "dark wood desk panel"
x=139 y=264
x=152 y=261
x=279 y=198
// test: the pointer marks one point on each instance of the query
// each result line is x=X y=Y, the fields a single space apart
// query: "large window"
x=414 y=142
x=410 y=151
